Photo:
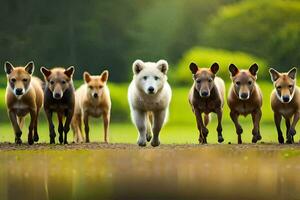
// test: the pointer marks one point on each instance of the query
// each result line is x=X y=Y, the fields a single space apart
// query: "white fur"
x=142 y=102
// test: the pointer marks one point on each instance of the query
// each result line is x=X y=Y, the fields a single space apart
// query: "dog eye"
x=279 y=87
x=100 y=87
x=290 y=86
x=51 y=82
x=156 y=78
x=13 y=80
x=238 y=83
x=25 y=79
x=63 y=82
x=91 y=87
x=145 y=77
x=210 y=80
x=198 y=81
x=250 y=82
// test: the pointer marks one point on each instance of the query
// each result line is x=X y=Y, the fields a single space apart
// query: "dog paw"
x=60 y=139
x=292 y=132
x=239 y=130
x=52 y=140
x=204 y=131
x=148 y=137
x=280 y=139
x=65 y=142
x=155 y=143
x=66 y=129
x=18 y=141
x=36 y=137
x=141 y=142
x=30 y=140
x=220 y=139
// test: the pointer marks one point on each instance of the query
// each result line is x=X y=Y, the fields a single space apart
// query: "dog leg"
x=292 y=130
x=159 y=119
x=149 y=126
x=277 y=120
x=288 y=126
x=256 y=116
x=140 y=122
x=69 y=116
x=31 y=126
x=203 y=131
x=51 y=126
x=106 y=120
x=219 y=128
x=16 y=127
x=234 y=117
x=60 y=127
x=35 y=133
x=86 y=127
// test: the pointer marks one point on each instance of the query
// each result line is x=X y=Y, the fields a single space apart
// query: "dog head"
x=58 y=80
x=243 y=80
x=95 y=84
x=18 y=78
x=284 y=84
x=204 y=78
x=149 y=76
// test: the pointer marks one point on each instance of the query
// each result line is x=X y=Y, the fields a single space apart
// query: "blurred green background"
x=95 y=35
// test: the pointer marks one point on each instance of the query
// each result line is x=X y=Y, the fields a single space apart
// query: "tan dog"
x=92 y=99
x=59 y=97
x=206 y=96
x=285 y=102
x=245 y=98
x=24 y=94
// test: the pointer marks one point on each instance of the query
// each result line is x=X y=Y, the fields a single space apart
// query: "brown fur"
x=59 y=97
x=206 y=96
x=29 y=100
x=92 y=99
x=245 y=98
x=285 y=102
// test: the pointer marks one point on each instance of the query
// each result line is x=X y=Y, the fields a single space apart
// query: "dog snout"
x=19 y=91
x=95 y=95
x=244 y=95
x=151 y=90
x=57 y=96
x=204 y=93
x=286 y=99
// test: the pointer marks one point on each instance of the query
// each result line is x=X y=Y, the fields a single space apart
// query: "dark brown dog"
x=245 y=98
x=206 y=96
x=59 y=97
x=285 y=102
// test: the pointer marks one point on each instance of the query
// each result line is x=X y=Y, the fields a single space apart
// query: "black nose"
x=95 y=95
x=151 y=89
x=57 y=95
x=204 y=93
x=286 y=98
x=19 y=91
x=244 y=95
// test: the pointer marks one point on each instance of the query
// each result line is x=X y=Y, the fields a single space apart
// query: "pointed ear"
x=46 y=72
x=163 y=66
x=30 y=67
x=137 y=66
x=193 y=68
x=86 y=77
x=214 y=68
x=70 y=71
x=253 y=69
x=8 y=67
x=233 y=70
x=274 y=74
x=104 y=76
x=292 y=73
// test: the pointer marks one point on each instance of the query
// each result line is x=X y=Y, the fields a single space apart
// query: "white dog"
x=149 y=96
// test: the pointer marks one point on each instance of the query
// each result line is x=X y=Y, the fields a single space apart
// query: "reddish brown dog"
x=245 y=98
x=206 y=96
x=285 y=102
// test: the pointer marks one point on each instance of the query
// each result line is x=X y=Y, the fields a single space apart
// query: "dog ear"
x=214 y=68
x=46 y=72
x=8 y=67
x=193 y=68
x=70 y=71
x=233 y=70
x=104 y=75
x=292 y=73
x=30 y=67
x=163 y=66
x=86 y=77
x=137 y=66
x=274 y=74
x=253 y=69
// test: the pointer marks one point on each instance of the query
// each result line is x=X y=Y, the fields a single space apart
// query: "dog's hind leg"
x=60 y=127
x=206 y=119
x=219 y=128
x=35 y=131
x=288 y=126
x=21 y=121
x=149 y=126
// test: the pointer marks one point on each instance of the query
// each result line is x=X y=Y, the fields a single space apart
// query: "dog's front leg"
x=159 y=119
x=86 y=127
x=51 y=126
x=219 y=128
x=60 y=117
x=69 y=116
x=277 y=120
x=139 y=118
x=106 y=120
x=16 y=127
x=292 y=130
x=203 y=131
x=256 y=116
x=234 y=117
x=288 y=126
x=33 y=119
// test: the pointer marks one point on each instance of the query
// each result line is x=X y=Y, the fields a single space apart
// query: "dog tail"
x=207 y=118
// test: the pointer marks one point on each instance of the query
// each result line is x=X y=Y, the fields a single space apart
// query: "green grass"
x=181 y=126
